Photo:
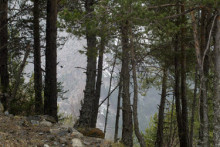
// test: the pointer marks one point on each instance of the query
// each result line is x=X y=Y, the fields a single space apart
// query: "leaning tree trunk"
x=160 y=124
x=37 y=61
x=87 y=110
x=50 y=93
x=4 y=77
x=127 y=127
x=216 y=124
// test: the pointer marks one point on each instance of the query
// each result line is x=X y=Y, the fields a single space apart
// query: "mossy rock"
x=92 y=132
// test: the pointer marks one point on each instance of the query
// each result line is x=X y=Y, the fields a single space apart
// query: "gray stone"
x=36 y=118
x=63 y=140
x=45 y=145
x=35 y=122
x=76 y=135
x=77 y=143
x=54 y=131
x=6 y=113
x=46 y=123
x=49 y=118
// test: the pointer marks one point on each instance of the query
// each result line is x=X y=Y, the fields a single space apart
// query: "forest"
x=173 y=45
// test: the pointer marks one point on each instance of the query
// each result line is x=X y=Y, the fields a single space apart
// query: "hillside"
x=41 y=131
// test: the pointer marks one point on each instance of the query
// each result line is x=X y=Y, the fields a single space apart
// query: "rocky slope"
x=41 y=131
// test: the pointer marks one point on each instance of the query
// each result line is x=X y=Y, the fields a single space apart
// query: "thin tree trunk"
x=216 y=124
x=4 y=77
x=98 y=82
x=109 y=90
x=18 y=75
x=177 y=90
x=118 y=108
x=185 y=129
x=193 y=108
x=135 y=101
x=85 y=119
x=204 y=133
x=171 y=124
x=127 y=127
x=50 y=93
x=160 y=125
x=37 y=61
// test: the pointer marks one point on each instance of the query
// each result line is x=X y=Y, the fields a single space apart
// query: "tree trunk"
x=193 y=108
x=216 y=124
x=118 y=108
x=185 y=132
x=109 y=91
x=85 y=119
x=135 y=101
x=4 y=77
x=204 y=132
x=177 y=90
x=37 y=61
x=159 y=140
x=18 y=75
x=50 y=93
x=127 y=127
x=98 y=83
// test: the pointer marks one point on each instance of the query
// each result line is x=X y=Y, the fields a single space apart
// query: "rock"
x=77 y=143
x=34 y=118
x=6 y=113
x=63 y=132
x=1 y=108
x=76 y=135
x=63 y=140
x=41 y=133
x=45 y=145
x=49 y=118
x=92 y=132
x=35 y=122
x=54 y=131
x=46 y=123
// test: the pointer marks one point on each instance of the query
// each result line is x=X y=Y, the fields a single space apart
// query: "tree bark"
x=50 y=93
x=204 y=133
x=4 y=76
x=118 y=108
x=216 y=124
x=127 y=127
x=135 y=100
x=177 y=90
x=37 y=61
x=18 y=75
x=193 y=108
x=85 y=119
x=159 y=139
x=183 y=84
x=98 y=82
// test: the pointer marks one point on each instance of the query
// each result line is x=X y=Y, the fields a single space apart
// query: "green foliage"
x=151 y=131
x=24 y=102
